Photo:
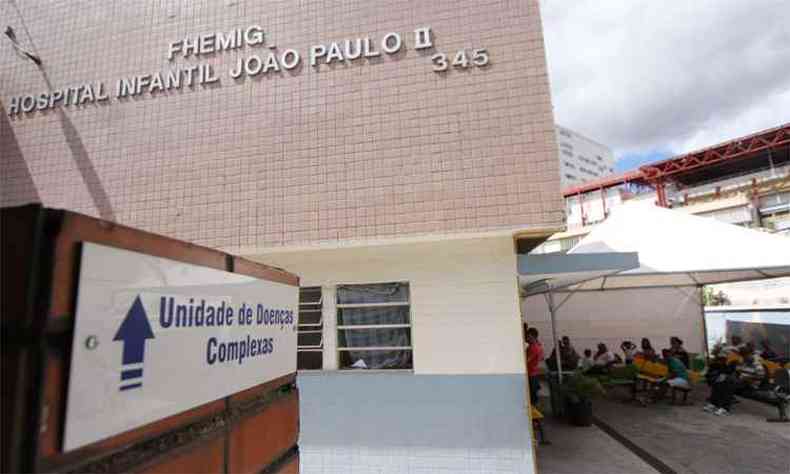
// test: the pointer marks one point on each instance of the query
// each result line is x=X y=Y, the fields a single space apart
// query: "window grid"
x=309 y=354
x=370 y=332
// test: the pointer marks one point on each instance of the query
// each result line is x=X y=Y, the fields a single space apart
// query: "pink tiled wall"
x=353 y=151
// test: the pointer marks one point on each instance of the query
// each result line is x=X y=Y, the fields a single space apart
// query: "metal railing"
x=736 y=180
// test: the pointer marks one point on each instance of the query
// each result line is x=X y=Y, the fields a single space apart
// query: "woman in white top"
x=604 y=357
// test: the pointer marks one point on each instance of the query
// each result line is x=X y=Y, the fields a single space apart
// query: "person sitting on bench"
x=677 y=376
x=602 y=360
x=677 y=351
x=721 y=378
x=734 y=348
x=586 y=363
x=647 y=352
x=767 y=352
x=751 y=372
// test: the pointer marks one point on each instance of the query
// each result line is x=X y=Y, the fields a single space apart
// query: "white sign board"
x=154 y=337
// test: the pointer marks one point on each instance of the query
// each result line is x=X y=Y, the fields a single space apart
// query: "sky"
x=653 y=79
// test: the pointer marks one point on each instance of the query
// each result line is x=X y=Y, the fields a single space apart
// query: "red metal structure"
x=692 y=166
x=659 y=173
x=611 y=181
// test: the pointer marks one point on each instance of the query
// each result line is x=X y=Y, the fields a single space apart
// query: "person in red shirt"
x=534 y=357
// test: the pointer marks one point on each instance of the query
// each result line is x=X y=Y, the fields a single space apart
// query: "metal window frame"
x=373 y=305
x=309 y=303
x=314 y=347
x=393 y=304
x=311 y=307
x=352 y=327
x=374 y=348
x=319 y=323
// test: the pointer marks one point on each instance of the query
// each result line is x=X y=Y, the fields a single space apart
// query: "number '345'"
x=461 y=60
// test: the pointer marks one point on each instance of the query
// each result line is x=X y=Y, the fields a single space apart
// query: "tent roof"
x=537 y=273
x=680 y=249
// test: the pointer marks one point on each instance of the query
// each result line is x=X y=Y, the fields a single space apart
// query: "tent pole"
x=570 y=293
x=554 y=334
x=704 y=323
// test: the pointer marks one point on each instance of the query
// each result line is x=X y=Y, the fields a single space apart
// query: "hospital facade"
x=397 y=156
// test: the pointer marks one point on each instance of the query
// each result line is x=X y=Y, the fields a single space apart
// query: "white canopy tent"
x=676 y=250
x=680 y=249
x=545 y=274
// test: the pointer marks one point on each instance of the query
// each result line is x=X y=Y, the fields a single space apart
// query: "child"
x=586 y=362
x=629 y=350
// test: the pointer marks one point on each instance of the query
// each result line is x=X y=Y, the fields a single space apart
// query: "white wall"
x=393 y=423
x=464 y=298
x=614 y=316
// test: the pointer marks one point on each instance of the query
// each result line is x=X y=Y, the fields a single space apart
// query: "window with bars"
x=374 y=326
x=310 y=342
x=569 y=243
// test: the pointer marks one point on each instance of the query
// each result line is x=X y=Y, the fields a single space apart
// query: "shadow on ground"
x=689 y=440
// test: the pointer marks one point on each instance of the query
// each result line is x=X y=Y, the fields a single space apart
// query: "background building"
x=743 y=181
x=582 y=159
x=395 y=155
x=405 y=180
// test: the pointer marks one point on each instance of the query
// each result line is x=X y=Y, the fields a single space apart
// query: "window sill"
x=309 y=372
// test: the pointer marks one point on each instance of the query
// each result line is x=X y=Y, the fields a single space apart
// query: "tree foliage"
x=710 y=297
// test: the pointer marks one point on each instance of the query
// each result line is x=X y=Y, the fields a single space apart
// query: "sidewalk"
x=587 y=450
x=689 y=440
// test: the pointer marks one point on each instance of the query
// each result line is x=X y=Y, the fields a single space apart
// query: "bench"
x=651 y=384
x=776 y=393
x=647 y=384
x=630 y=383
x=683 y=391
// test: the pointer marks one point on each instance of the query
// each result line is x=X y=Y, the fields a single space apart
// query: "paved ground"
x=689 y=440
x=576 y=450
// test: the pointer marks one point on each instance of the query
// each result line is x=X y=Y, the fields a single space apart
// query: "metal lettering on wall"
x=154 y=337
x=274 y=61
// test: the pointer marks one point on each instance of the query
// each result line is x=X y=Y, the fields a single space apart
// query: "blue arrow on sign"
x=134 y=330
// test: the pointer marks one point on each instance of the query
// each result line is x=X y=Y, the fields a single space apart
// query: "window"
x=374 y=326
x=570 y=165
x=570 y=176
x=567 y=244
x=566 y=152
x=310 y=338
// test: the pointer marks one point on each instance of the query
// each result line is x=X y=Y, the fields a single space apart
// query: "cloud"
x=668 y=76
